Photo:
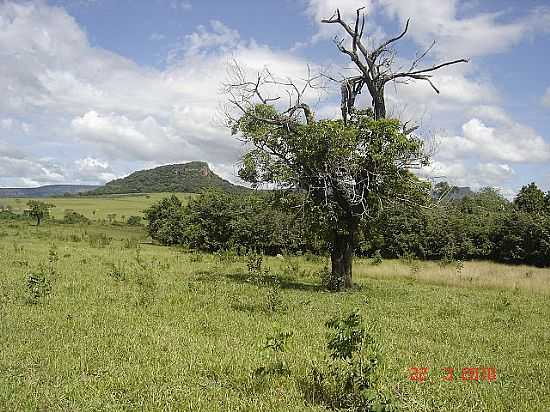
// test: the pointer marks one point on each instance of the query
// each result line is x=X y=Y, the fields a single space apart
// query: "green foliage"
x=523 y=238
x=134 y=221
x=6 y=214
x=166 y=221
x=273 y=350
x=216 y=221
x=97 y=332
x=530 y=199
x=350 y=379
x=72 y=217
x=38 y=286
x=346 y=335
x=377 y=257
x=305 y=155
x=39 y=210
x=483 y=225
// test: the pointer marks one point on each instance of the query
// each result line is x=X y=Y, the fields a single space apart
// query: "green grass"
x=97 y=207
x=176 y=330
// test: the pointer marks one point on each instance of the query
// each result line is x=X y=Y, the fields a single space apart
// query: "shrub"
x=72 y=217
x=134 y=221
x=38 y=286
x=166 y=221
x=274 y=349
x=350 y=378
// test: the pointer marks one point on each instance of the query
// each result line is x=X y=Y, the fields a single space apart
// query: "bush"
x=134 y=221
x=72 y=217
x=523 y=238
x=6 y=214
x=216 y=221
x=350 y=378
x=166 y=221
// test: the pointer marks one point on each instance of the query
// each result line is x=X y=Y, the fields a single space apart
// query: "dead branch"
x=376 y=65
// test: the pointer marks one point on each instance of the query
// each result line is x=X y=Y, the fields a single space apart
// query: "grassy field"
x=96 y=207
x=128 y=325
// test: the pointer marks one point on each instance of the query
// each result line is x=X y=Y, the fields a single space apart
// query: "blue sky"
x=94 y=89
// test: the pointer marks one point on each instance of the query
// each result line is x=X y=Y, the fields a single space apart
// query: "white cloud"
x=120 y=136
x=477 y=35
x=90 y=169
x=217 y=37
x=19 y=168
x=507 y=141
x=318 y=10
x=6 y=124
x=119 y=109
x=437 y=20
x=475 y=175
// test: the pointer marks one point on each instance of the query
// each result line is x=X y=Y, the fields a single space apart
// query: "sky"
x=92 y=90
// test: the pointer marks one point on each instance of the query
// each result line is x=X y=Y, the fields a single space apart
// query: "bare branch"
x=380 y=49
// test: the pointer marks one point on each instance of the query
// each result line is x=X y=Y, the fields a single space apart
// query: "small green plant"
x=227 y=256
x=256 y=273
x=377 y=257
x=274 y=349
x=116 y=272
x=325 y=277
x=274 y=299
x=350 y=378
x=254 y=262
x=38 y=285
x=459 y=266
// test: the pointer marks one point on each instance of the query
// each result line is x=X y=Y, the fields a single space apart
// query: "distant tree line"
x=483 y=225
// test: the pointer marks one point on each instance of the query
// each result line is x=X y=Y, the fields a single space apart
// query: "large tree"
x=347 y=168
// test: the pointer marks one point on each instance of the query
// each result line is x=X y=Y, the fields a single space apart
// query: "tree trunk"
x=341 y=257
x=379 y=104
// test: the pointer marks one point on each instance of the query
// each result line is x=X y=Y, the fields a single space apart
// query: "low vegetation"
x=96 y=318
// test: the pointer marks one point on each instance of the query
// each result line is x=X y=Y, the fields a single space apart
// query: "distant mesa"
x=189 y=177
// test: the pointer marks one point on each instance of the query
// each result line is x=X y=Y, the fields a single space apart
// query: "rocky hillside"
x=189 y=177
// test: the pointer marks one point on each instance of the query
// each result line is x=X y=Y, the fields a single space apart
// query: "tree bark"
x=379 y=104
x=341 y=257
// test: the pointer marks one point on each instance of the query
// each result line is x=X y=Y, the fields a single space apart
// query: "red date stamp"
x=470 y=374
